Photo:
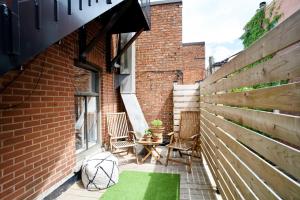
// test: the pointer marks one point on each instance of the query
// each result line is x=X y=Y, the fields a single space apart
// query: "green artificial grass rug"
x=135 y=185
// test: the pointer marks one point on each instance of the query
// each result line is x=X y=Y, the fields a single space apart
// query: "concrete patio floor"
x=193 y=186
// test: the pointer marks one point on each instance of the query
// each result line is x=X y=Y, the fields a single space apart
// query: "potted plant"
x=148 y=135
x=157 y=128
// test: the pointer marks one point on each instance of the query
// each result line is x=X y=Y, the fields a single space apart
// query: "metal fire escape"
x=28 y=27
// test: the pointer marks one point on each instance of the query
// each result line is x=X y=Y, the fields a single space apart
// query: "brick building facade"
x=41 y=104
x=162 y=58
x=37 y=117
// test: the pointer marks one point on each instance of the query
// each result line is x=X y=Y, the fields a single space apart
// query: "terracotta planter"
x=157 y=132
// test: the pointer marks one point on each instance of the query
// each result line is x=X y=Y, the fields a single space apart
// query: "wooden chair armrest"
x=132 y=133
x=171 y=133
x=173 y=136
x=194 y=136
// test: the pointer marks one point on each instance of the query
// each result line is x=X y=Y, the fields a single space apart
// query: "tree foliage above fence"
x=254 y=28
x=258 y=25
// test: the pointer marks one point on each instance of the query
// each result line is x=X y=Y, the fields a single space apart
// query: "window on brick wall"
x=86 y=109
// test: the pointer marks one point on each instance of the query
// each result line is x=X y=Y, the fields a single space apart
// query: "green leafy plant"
x=254 y=28
x=259 y=25
x=148 y=132
x=156 y=123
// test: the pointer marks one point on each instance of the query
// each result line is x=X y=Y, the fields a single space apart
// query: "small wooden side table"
x=150 y=146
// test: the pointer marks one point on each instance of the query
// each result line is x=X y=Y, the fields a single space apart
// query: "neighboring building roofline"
x=154 y=3
x=193 y=43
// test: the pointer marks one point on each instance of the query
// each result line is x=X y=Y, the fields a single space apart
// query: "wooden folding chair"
x=187 y=139
x=120 y=136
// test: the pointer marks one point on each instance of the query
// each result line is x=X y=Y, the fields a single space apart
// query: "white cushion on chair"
x=100 y=171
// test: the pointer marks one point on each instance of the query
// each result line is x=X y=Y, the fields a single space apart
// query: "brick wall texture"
x=37 y=134
x=161 y=59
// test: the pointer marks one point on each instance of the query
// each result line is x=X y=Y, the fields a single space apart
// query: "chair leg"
x=191 y=160
x=136 y=155
x=189 y=164
x=168 y=155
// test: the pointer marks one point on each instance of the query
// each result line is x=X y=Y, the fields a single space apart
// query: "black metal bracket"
x=108 y=52
x=69 y=7
x=56 y=11
x=87 y=65
x=80 y=4
x=106 y=29
x=126 y=46
x=37 y=13
x=82 y=42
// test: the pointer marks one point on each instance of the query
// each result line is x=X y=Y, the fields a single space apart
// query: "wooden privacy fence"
x=185 y=98
x=253 y=152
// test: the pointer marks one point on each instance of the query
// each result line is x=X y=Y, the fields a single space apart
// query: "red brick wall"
x=37 y=134
x=161 y=59
x=193 y=58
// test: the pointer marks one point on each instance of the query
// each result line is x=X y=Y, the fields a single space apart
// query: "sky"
x=219 y=23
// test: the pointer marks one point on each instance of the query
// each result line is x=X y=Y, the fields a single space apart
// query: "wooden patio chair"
x=120 y=136
x=187 y=139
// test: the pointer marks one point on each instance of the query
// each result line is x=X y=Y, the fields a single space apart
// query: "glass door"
x=86 y=109
x=91 y=121
x=79 y=125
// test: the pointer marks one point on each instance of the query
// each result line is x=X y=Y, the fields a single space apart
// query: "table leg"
x=148 y=154
x=154 y=148
x=156 y=157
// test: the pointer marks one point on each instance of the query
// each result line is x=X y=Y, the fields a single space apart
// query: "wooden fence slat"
x=209 y=160
x=280 y=67
x=280 y=126
x=186 y=93
x=285 y=157
x=230 y=184
x=233 y=189
x=229 y=188
x=222 y=192
x=186 y=105
x=178 y=110
x=285 y=34
x=221 y=184
x=224 y=183
x=211 y=155
x=210 y=147
x=213 y=172
x=186 y=99
x=209 y=142
x=176 y=122
x=241 y=185
x=283 y=97
x=286 y=187
x=176 y=128
x=186 y=87
x=245 y=173
x=176 y=116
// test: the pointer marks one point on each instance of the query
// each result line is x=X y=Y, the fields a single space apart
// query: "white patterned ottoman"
x=100 y=171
